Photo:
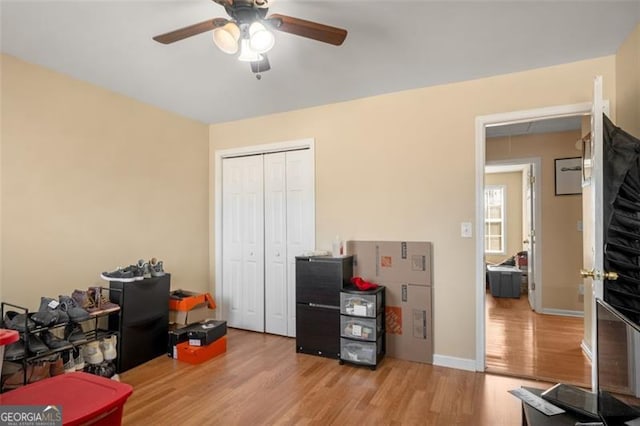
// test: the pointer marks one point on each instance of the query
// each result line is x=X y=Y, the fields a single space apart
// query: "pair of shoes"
x=105 y=369
x=98 y=351
x=69 y=306
x=50 y=313
x=136 y=272
x=36 y=346
x=93 y=301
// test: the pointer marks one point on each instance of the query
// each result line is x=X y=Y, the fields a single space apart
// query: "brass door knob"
x=598 y=275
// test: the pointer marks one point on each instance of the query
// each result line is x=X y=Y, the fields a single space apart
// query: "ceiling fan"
x=248 y=31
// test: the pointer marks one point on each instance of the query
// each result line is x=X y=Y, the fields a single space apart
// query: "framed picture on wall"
x=568 y=176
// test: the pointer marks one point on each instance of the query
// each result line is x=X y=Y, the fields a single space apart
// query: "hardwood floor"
x=262 y=380
x=523 y=343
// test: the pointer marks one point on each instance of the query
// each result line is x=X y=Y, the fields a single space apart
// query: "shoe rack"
x=96 y=329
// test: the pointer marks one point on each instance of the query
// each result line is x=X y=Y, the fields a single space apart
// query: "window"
x=494 y=220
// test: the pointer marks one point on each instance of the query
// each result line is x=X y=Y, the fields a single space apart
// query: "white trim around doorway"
x=482 y=122
x=215 y=232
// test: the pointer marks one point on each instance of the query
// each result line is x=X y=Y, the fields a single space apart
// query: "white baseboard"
x=453 y=362
x=587 y=350
x=563 y=312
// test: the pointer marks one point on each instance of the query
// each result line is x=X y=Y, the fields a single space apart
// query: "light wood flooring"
x=523 y=343
x=261 y=380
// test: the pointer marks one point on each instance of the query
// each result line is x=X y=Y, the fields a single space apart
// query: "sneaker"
x=71 y=308
x=108 y=346
x=137 y=271
x=120 y=274
x=144 y=266
x=155 y=266
x=69 y=363
x=92 y=353
x=100 y=302
x=14 y=351
x=36 y=346
x=78 y=359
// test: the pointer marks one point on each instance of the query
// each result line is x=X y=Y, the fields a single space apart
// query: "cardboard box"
x=206 y=332
x=188 y=307
x=409 y=322
x=200 y=354
x=405 y=269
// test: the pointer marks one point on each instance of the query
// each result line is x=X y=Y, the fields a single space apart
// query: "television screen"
x=618 y=364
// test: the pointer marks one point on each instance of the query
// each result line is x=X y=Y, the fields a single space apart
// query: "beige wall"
x=92 y=180
x=628 y=84
x=561 y=253
x=513 y=212
x=402 y=167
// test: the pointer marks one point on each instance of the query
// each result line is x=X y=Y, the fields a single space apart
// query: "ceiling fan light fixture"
x=260 y=39
x=247 y=54
x=226 y=38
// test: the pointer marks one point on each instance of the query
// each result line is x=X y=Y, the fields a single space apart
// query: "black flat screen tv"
x=618 y=365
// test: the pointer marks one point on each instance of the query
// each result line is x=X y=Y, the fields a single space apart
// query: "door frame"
x=482 y=122
x=215 y=203
x=537 y=219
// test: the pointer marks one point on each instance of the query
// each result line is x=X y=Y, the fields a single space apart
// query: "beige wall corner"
x=402 y=167
x=92 y=180
x=628 y=84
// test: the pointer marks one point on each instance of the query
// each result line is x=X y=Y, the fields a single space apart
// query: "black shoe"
x=36 y=347
x=16 y=321
x=44 y=318
x=54 y=342
x=46 y=304
x=14 y=351
x=74 y=334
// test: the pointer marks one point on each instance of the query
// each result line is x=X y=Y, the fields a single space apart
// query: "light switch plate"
x=466 y=230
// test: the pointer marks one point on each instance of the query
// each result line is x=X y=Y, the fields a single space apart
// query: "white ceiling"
x=392 y=45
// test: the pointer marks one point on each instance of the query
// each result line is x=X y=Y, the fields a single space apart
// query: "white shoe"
x=108 y=346
x=92 y=353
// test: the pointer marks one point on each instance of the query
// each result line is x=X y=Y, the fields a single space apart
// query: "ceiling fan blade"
x=261 y=66
x=191 y=30
x=308 y=29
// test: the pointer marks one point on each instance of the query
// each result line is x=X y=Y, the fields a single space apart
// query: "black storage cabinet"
x=319 y=280
x=143 y=323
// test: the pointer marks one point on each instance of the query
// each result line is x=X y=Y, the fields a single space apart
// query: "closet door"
x=300 y=172
x=275 y=240
x=243 y=242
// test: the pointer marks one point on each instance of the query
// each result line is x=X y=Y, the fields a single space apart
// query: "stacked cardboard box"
x=405 y=269
x=196 y=343
x=189 y=307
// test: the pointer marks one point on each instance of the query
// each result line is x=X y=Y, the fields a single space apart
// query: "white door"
x=300 y=220
x=592 y=219
x=530 y=233
x=289 y=232
x=275 y=240
x=243 y=242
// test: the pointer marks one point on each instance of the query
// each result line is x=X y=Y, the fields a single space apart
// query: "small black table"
x=533 y=417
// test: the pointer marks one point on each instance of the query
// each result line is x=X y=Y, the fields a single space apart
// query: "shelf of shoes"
x=58 y=328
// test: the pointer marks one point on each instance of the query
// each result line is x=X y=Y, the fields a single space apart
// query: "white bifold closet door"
x=243 y=242
x=288 y=230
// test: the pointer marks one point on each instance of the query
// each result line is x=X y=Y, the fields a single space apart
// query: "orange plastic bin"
x=85 y=398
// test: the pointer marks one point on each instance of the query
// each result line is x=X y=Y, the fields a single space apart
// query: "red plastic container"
x=85 y=398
